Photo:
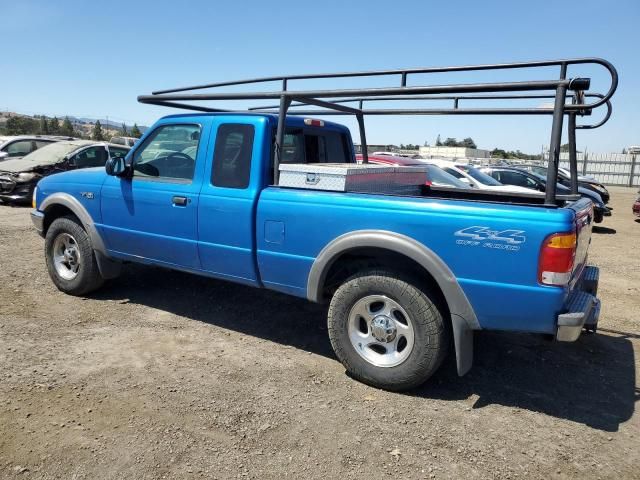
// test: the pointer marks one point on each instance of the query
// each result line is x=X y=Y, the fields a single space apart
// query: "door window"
x=516 y=178
x=118 y=152
x=91 y=157
x=232 y=156
x=169 y=153
x=43 y=143
x=21 y=148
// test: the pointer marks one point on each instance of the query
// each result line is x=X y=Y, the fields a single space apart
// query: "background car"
x=435 y=175
x=564 y=177
x=475 y=178
x=636 y=206
x=21 y=145
x=524 y=178
x=18 y=177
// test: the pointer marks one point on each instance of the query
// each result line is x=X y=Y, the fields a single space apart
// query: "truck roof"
x=292 y=120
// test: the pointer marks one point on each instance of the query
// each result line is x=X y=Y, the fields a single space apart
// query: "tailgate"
x=583 y=224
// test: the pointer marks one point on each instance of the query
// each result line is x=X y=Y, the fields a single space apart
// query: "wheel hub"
x=383 y=329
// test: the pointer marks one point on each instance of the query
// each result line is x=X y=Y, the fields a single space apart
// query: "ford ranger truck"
x=403 y=276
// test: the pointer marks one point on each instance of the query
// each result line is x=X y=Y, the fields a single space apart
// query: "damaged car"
x=18 y=177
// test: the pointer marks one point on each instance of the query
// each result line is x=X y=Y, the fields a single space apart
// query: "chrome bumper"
x=37 y=218
x=582 y=308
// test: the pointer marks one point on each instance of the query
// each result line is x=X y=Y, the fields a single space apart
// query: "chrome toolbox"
x=353 y=177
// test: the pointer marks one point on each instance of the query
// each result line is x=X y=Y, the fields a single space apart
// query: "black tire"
x=87 y=278
x=431 y=332
x=598 y=217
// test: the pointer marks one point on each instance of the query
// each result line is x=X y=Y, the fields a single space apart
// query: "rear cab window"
x=315 y=145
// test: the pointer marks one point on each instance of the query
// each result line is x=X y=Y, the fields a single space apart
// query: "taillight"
x=556 y=259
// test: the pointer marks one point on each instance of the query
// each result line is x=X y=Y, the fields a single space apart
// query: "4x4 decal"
x=509 y=239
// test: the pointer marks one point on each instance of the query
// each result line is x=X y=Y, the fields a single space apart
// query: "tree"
x=54 y=126
x=67 y=128
x=624 y=151
x=468 y=143
x=135 y=131
x=499 y=153
x=21 y=125
x=438 y=141
x=44 y=125
x=123 y=130
x=450 y=142
x=96 y=133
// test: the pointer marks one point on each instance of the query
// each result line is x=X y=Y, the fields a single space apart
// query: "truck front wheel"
x=387 y=332
x=70 y=259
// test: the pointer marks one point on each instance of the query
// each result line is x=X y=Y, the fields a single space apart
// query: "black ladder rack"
x=569 y=95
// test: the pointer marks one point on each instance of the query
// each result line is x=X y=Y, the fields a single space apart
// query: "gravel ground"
x=168 y=375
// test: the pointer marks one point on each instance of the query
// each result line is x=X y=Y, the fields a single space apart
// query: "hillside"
x=13 y=123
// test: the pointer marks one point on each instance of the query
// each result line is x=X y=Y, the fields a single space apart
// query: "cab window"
x=168 y=153
x=315 y=146
x=232 y=156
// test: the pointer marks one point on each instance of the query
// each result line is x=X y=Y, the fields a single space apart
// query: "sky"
x=92 y=59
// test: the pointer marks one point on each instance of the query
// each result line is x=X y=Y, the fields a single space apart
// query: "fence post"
x=585 y=157
x=633 y=169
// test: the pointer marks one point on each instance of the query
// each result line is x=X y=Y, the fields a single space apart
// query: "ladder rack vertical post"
x=573 y=157
x=363 y=138
x=285 y=101
x=554 y=147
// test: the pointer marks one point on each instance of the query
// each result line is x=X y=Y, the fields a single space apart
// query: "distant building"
x=454 y=152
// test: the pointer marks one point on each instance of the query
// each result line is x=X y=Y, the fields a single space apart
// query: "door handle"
x=179 y=201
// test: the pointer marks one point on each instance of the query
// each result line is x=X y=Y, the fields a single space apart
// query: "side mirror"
x=70 y=161
x=116 y=167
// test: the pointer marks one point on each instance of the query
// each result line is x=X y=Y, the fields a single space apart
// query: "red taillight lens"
x=556 y=259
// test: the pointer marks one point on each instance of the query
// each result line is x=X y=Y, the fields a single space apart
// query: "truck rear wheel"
x=70 y=259
x=386 y=331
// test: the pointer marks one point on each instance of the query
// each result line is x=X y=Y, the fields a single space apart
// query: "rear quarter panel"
x=492 y=249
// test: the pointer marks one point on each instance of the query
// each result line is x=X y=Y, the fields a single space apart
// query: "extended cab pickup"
x=402 y=274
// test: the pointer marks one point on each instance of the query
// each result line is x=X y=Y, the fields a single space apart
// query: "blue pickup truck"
x=406 y=278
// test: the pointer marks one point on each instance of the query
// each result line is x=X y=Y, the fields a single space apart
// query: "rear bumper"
x=582 y=309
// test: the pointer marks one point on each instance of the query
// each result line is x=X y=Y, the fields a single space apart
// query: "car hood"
x=16 y=165
x=585 y=192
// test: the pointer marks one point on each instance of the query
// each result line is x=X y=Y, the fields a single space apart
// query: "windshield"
x=479 y=176
x=439 y=177
x=53 y=153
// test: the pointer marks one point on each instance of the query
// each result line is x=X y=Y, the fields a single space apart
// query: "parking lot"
x=167 y=375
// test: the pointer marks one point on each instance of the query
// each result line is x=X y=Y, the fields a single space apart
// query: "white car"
x=475 y=178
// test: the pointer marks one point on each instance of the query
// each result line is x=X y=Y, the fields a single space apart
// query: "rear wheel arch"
x=395 y=246
x=405 y=255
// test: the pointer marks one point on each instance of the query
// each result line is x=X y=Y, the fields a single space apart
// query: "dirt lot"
x=167 y=375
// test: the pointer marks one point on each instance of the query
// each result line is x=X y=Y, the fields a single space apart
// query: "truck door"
x=230 y=189
x=153 y=215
